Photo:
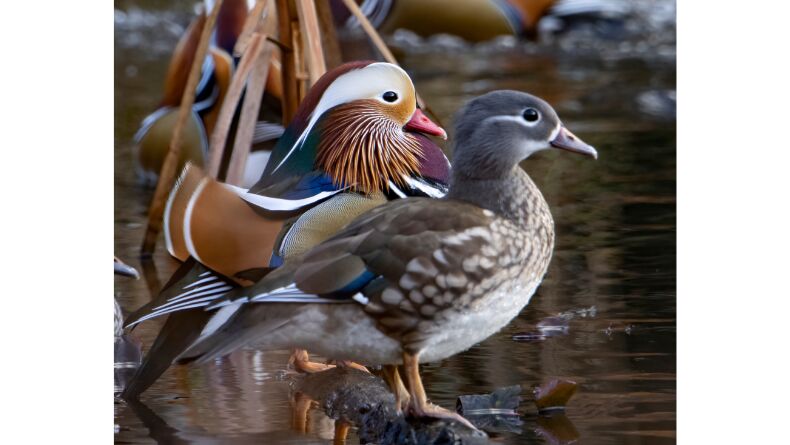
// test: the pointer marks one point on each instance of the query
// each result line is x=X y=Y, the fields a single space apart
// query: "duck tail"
x=184 y=298
x=180 y=330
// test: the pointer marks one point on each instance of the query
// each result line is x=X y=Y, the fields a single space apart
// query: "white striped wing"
x=201 y=293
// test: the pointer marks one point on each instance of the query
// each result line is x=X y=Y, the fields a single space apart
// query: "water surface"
x=611 y=282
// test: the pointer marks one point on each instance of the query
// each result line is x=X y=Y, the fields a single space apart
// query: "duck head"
x=358 y=124
x=497 y=130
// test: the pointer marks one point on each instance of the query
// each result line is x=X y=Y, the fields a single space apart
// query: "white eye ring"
x=517 y=119
x=389 y=97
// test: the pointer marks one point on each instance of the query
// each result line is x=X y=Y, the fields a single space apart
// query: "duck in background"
x=356 y=142
x=472 y=20
x=152 y=139
x=127 y=348
x=413 y=280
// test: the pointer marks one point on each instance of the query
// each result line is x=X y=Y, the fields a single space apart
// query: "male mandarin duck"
x=356 y=141
x=473 y=20
x=414 y=280
x=152 y=139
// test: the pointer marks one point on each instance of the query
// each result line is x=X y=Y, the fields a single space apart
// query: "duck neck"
x=514 y=197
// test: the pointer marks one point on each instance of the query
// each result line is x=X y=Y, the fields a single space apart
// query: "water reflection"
x=238 y=399
x=292 y=413
x=556 y=429
x=615 y=253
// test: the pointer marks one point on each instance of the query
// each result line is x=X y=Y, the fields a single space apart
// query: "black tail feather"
x=180 y=330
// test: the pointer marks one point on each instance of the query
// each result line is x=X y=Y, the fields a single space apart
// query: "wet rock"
x=364 y=400
x=554 y=395
x=495 y=412
x=348 y=394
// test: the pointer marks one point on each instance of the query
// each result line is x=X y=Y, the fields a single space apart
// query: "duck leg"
x=350 y=364
x=392 y=377
x=341 y=432
x=301 y=361
x=418 y=404
x=301 y=406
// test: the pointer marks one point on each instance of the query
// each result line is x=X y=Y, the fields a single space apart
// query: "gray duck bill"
x=569 y=141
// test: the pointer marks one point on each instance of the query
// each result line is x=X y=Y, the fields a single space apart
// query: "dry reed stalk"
x=329 y=41
x=311 y=34
x=249 y=115
x=253 y=20
x=167 y=173
x=256 y=85
x=290 y=100
x=225 y=118
x=299 y=62
x=375 y=38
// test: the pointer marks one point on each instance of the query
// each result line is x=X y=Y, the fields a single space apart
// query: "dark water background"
x=611 y=283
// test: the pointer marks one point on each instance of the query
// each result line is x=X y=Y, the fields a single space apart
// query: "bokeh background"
x=605 y=315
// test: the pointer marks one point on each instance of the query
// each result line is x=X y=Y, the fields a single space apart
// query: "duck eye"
x=531 y=115
x=390 y=96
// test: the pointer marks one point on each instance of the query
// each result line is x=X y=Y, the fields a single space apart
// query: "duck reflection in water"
x=287 y=408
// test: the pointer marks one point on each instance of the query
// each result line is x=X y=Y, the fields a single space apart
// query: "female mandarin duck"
x=414 y=280
x=153 y=138
x=355 y=142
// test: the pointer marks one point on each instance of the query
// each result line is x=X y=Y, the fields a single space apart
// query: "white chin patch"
x=531 y=147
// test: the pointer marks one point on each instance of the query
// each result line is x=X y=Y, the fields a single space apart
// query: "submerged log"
x=364 y=400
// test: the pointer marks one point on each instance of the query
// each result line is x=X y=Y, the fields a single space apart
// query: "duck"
x=313 y=182
x=124 y=270
x=414 y=280
x=472 y=20
x=126 y=348
x=357 y=141
x=152 y=139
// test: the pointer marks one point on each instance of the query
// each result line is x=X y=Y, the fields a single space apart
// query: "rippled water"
x=611 y=282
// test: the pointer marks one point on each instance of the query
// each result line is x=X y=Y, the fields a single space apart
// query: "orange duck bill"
x=420 y=123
